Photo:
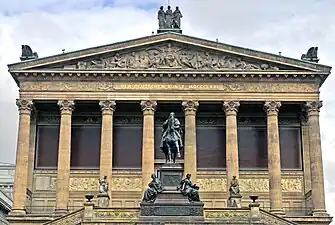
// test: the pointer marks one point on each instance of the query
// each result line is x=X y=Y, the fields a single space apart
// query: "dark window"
x=47 y=137
x=252 y=147
x=290 y=147
x=85 y=146
x=211 y=147
x=127 y=146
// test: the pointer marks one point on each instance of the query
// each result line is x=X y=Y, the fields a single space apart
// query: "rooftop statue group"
x=169 y=19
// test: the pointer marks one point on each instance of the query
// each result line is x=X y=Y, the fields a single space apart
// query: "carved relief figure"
x=155 y=187
x=171 y=141
x=191 y=190
x=170 y=56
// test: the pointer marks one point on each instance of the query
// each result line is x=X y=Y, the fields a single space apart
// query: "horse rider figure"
x=171 y=142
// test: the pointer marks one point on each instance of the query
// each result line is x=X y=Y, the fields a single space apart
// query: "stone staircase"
x=231 y=216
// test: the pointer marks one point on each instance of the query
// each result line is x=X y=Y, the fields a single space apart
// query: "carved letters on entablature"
x=260 y=87
x=170 y=56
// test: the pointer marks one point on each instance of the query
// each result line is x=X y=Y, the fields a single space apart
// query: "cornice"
x=169 y=75
x=170 y=37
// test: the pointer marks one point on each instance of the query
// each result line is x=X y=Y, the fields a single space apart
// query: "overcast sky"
x=49 y=26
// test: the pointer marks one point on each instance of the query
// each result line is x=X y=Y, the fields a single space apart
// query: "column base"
x=277 y=212
x=17 y=212
x=320 y=213
x=60 y=211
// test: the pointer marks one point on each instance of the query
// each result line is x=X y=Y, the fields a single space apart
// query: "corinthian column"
x=232 y=166
x=22 y=154
x=190 y=146
x=274 y=165
x=148 y=144
x=315 y=154
x=64 y=156
x=106 y=149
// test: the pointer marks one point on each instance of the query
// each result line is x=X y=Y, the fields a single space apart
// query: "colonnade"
x=148 y=108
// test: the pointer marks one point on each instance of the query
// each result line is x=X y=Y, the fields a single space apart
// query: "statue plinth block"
x=172 y=209
x=103 y=200
x=176 y=30
x=234 y=201
x=171 y=174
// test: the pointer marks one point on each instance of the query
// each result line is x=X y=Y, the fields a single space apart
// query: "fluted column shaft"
x=315 y=154
x=148 y=143
x=22 y=154
x=274 y=165
x=64 y=155
x=232 y=165
x=190 y=146
x=106 y=148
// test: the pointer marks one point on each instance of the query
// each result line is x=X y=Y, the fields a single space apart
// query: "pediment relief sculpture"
x=172 y=57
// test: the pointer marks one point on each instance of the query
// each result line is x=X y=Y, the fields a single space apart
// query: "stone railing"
x=75 y=217
x=270 y=219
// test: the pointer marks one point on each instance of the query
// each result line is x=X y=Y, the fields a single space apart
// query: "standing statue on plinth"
x=177 y=18
x=155 y=187
x=234 y=193
x=168 y=18
x=188 y=189
x=171 y=142
x=103 y=188
x=161 y=18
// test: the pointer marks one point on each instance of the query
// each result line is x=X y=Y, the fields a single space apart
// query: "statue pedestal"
x=103 y=200
x=169 y=30
x=171 y=205
x=170 y=175
x=234 y=201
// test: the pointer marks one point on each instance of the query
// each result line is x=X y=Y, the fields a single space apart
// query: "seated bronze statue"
x=155 y=187
x=188 y=189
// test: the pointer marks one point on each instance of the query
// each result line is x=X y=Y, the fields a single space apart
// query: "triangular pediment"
x=168 y=52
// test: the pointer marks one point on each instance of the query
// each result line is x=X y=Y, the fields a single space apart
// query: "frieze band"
x=115 y=86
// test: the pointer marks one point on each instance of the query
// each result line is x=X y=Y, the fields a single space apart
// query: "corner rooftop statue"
x=168 y=20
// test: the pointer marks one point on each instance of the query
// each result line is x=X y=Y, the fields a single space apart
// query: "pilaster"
x=232 y=164
x=305 y=151
x=315 y=155
x=22 y=156
x=148 y=143
x=190 y=146
x=64 y=155
x=274 y=164
x=106 y=149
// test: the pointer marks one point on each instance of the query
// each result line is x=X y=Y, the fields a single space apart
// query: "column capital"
x=272 y=108
x=313 y=108
x=107 y=106
x=66 y=106
x=190 y=106
x=148 y=106
x=231 y=107
x=25 y=106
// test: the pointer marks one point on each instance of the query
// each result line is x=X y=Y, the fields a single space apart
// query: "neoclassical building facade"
x=99 y=111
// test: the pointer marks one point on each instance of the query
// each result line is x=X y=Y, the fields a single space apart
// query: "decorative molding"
x=114 y=214
x=48 y=86
x=118 y=184
x=226 y=214
x=212 y=184
x=126 y=184
x=262 y=185
x=84 y=184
